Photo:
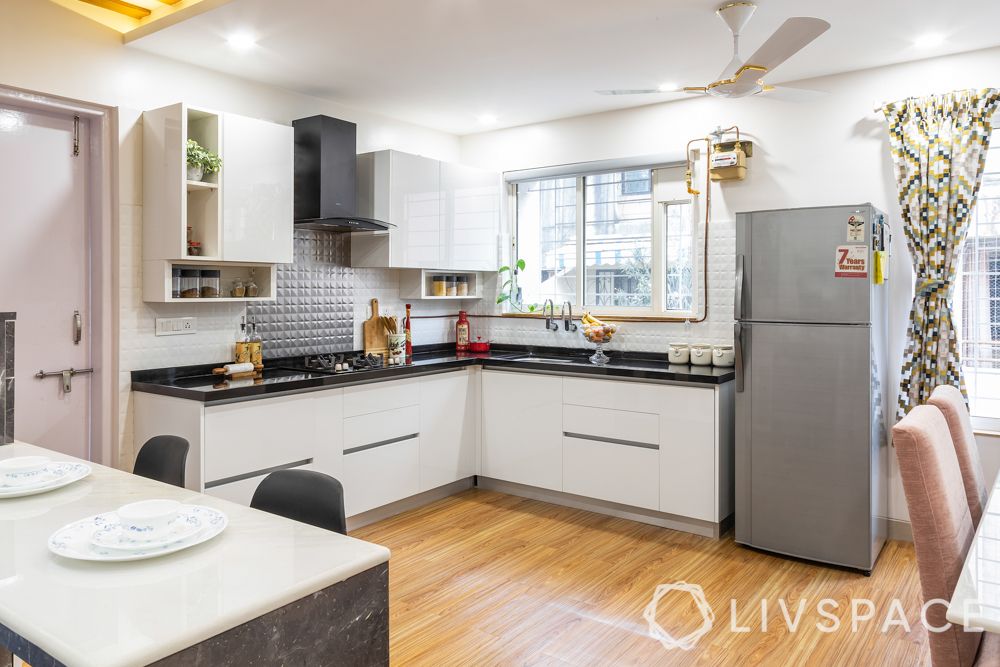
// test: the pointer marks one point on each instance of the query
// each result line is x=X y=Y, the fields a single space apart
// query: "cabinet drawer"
x=641 y=428
x=614 y=395
x=616 y=473
x=381 y=475
x=381 y=396
x=376 y=427
x=256 y=435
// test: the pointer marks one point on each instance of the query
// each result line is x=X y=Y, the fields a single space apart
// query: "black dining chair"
x=163 y=458
x=303 y=495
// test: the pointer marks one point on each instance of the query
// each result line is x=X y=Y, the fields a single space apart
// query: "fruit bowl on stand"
x=599 y=333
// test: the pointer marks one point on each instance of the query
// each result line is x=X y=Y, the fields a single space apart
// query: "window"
x=976 y=303
x=620 y=242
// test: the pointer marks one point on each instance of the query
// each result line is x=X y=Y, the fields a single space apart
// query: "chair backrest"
x=941 y=522
x=951 y=403
x=303 y=495
x=163 y=458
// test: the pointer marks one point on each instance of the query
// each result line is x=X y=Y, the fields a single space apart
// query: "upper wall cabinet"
x=241 y=214
x=446 y=216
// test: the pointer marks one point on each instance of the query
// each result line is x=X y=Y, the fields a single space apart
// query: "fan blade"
x=646 y=91
x=793 y=35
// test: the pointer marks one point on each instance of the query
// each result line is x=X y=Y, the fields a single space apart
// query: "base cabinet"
x=380 y=475
x=618 y=473
x=448 y=428
x=689 y=483
x=522 y=429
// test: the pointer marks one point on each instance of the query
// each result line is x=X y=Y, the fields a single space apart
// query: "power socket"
x=176 y=326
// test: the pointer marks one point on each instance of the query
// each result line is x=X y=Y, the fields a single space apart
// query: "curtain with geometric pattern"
x=938 y=146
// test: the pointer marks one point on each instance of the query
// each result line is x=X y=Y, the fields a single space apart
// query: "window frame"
x=667 y=188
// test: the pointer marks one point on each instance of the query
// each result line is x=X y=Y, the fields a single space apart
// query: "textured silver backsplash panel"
x=314 y=309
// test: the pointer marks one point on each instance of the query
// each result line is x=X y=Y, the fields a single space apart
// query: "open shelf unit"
x=157 y=280
x=419 y=284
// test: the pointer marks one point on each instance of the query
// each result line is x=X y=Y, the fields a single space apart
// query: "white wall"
x=828 y=149
x=51 y=50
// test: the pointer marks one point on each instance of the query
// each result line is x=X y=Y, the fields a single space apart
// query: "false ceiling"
x=447 y=63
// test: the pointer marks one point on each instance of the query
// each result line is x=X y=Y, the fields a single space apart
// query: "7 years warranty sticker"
x=852 y=261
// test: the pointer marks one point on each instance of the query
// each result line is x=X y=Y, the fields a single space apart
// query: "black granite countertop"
x=198 y=384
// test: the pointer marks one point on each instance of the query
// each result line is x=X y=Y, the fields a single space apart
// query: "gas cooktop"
x=334 y=364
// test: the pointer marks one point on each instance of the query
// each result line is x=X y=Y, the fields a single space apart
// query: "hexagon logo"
x=688 y=641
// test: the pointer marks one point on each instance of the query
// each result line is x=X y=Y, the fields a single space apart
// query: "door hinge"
x=76 y=136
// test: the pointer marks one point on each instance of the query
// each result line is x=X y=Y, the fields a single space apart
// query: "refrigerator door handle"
x=738 y=344
x=738 y=300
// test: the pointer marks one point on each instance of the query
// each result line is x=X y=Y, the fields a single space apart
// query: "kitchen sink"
x=530 y=358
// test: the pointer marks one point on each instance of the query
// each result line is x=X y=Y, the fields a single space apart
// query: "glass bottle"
x=462 y=332
x=243 y=343
x=256 y=345
x=409 y=336
x=252 y=289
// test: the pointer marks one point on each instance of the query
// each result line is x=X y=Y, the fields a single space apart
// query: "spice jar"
x=190 y=283
x=439 y=288
x=175 y=283
x=450 y=289
x=210 y=283
x=461 y=285
x=239 y=289
x=252 y=289
x=194 y=248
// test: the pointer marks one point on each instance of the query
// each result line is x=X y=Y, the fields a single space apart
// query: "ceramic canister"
x=679 y=353
x=701 y=355
x=724 y=355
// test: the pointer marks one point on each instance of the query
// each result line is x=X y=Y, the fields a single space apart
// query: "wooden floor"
x=483 y=578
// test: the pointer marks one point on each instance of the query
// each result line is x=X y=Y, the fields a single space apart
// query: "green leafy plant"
x=508 y=288
x=197 y=155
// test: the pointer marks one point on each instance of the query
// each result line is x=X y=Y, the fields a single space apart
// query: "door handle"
x=738 y=298
x=77 y=327
x=738 y=344
x=66 y=375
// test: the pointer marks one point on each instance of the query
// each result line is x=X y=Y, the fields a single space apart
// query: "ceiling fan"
x=742 y=78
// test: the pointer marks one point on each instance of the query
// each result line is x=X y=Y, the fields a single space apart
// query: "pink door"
x=44 y=274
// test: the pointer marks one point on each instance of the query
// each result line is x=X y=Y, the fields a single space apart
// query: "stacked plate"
x=28 y=475
x=145 y=529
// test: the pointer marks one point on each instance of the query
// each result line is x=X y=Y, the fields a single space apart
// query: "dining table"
x=265 y=591
x=975 y=603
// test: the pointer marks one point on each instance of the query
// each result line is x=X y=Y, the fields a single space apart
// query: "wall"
x=51 y=50
x=827 y=147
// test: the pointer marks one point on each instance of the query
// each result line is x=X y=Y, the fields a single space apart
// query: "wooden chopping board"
x=374 y=333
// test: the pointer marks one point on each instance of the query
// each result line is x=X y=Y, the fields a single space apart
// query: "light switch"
x=176 y=326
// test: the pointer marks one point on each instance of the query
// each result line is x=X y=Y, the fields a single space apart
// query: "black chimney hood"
x=326 y=176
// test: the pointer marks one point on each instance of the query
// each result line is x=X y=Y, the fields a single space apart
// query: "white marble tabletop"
x=124 y=614
x=976 y=600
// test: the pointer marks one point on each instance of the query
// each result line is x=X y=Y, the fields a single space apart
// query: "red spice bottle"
x=409 y=336
x=462 y=333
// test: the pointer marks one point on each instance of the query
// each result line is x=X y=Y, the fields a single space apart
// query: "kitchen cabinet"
x=449 y=426
x=380 y=475
x=522 y=428
x=446 y=216
x=690 y=450
x=257 y=200
x=242 y=215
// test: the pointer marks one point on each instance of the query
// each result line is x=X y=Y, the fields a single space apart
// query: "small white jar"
x=701 y=355
x=679 y=353
x=724 y=355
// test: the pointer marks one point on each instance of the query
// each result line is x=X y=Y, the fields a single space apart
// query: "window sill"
x=611 y=317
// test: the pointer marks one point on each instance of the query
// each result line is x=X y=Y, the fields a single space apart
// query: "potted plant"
x=509 y=292
x=201 y=161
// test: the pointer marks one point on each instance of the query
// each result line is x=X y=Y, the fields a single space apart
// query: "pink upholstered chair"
x=951 y=403
x=942 y=530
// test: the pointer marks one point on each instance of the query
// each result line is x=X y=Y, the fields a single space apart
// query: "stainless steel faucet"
x=549 y=319
x=566 y=313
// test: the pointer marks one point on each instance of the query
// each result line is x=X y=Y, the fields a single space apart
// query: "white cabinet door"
x=522 y=428
x=447 y=429
x=471 y=223
x=329 y=414
x=257 y=182
x=380 y=475
x=622 y=472
x=688 y=481
x=415 y=203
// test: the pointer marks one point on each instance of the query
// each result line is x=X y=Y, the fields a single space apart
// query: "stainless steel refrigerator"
x=811 y=393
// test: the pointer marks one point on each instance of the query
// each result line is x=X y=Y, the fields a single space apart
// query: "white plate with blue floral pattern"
x=115 y=535
x=54 y=475
x=79 y=539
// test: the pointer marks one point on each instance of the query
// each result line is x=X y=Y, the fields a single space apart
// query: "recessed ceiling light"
x=486 y=119
x=667 y=87
x=241 y=41
x=928 y=41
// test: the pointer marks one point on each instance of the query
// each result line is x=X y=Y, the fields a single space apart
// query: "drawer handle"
x=256 y=473
x=380 y=443
x=613 y=441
